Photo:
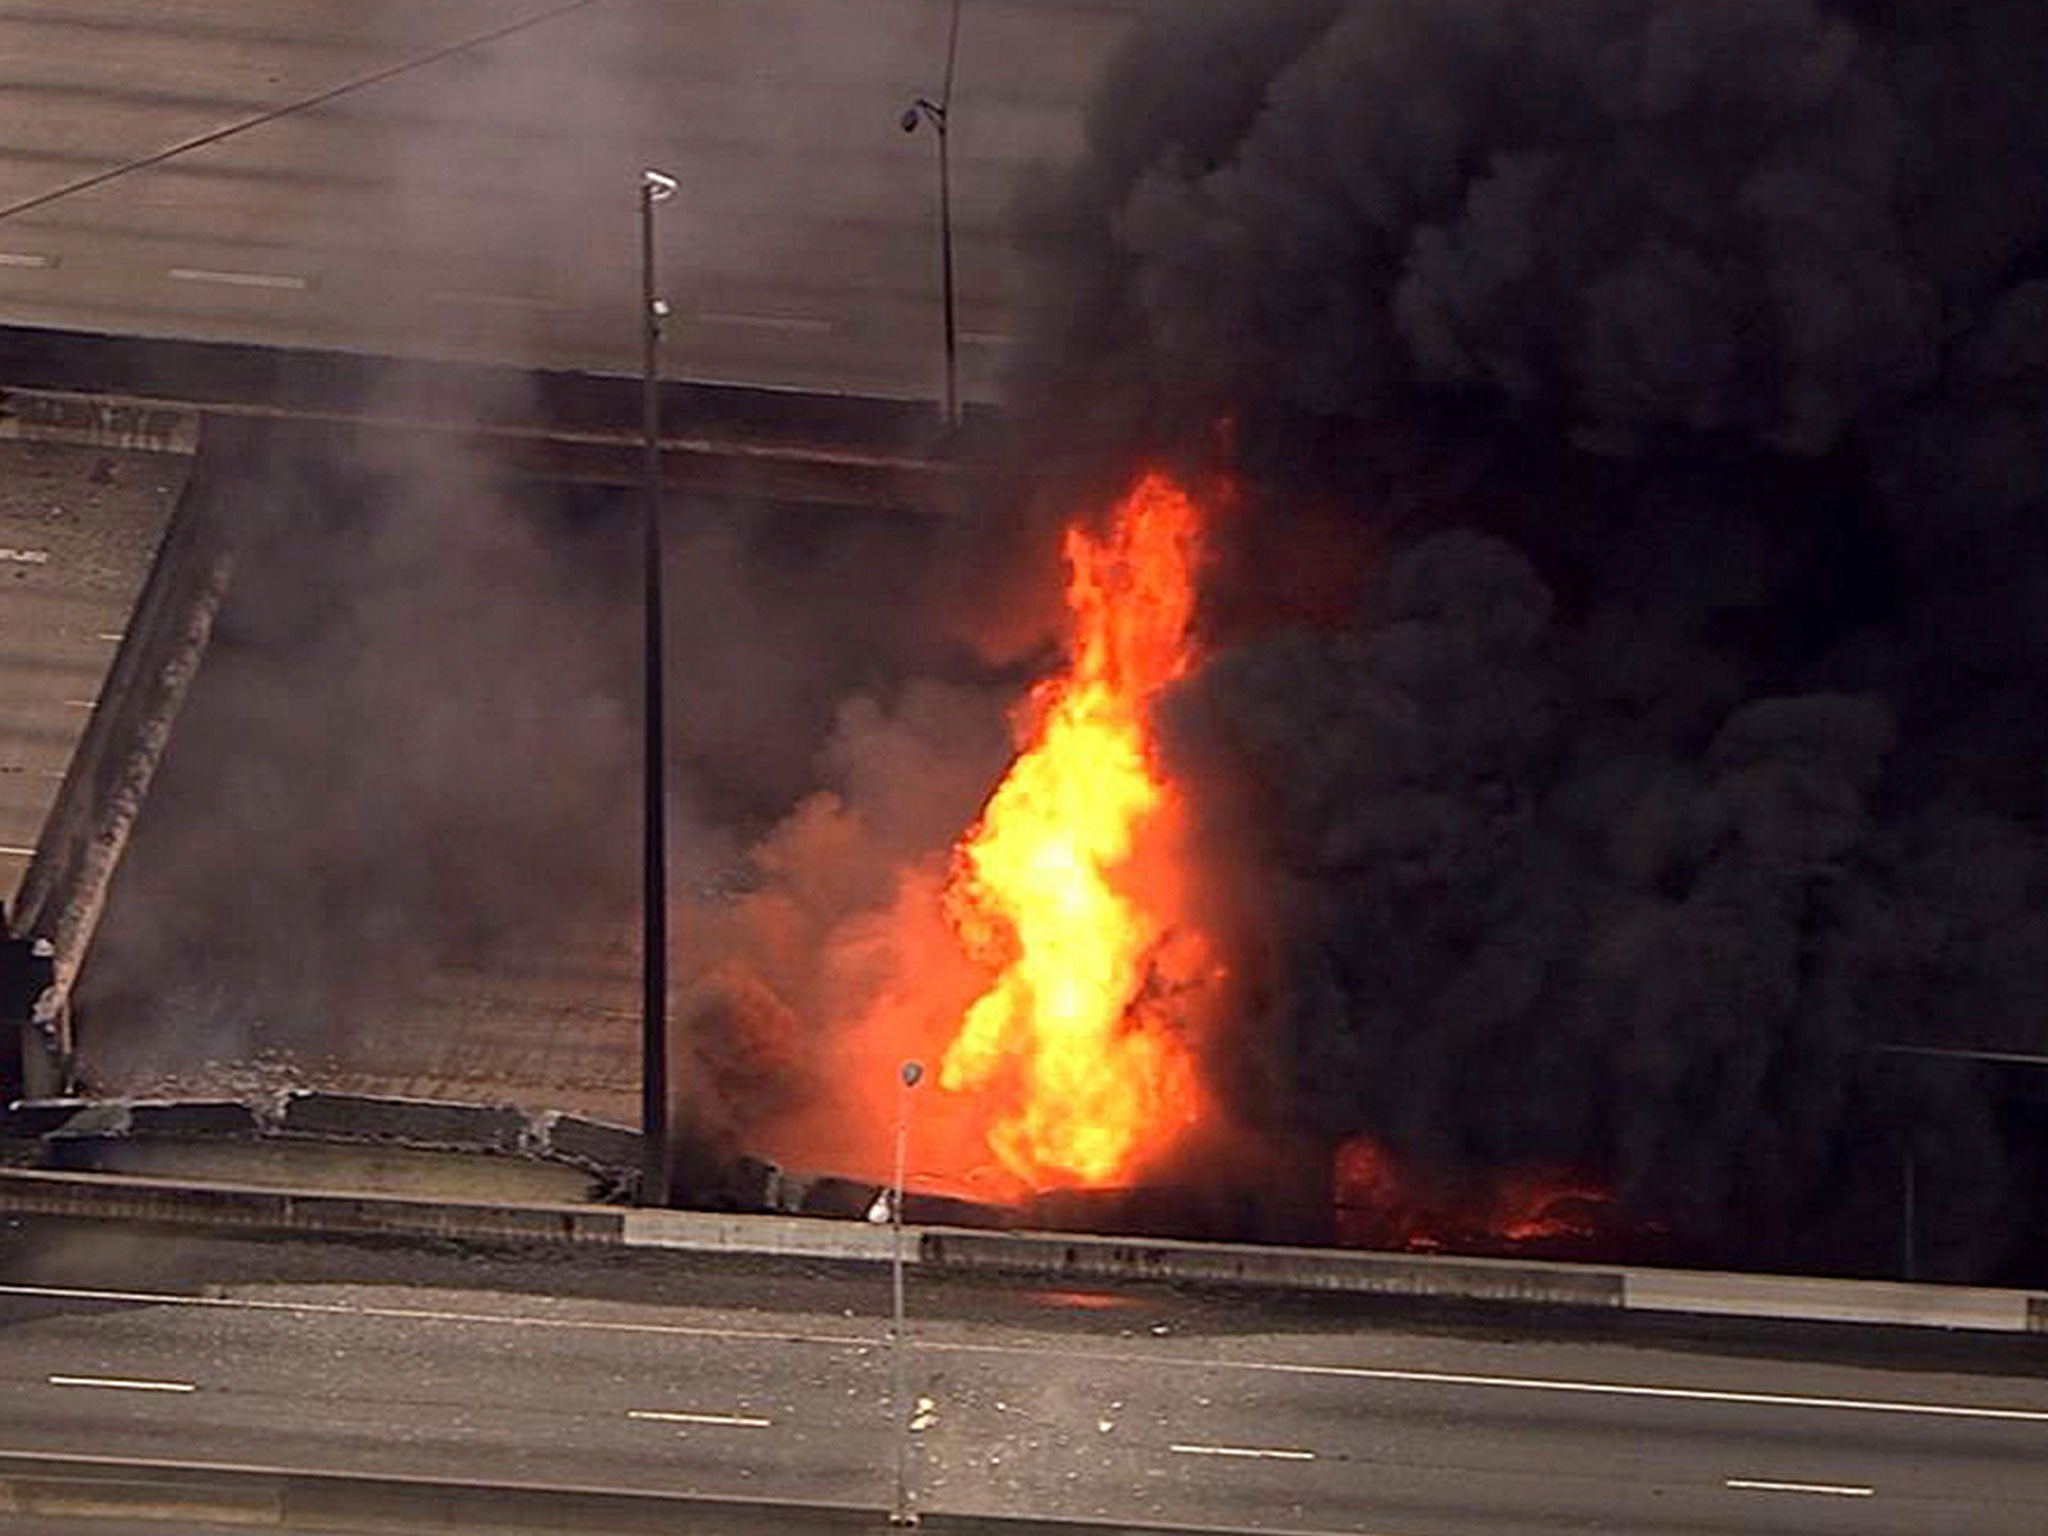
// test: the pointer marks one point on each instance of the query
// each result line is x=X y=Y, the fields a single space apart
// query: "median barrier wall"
x=93 y=1120
x=415 y=1122
x=1828 y=1301
x=32 y=1119
x=384 y=1214
x=1066 y=1257
x=590 y=1143
x=189 y=1118
x=43 y=1192
x=1051 y=1256
x=807 y=1237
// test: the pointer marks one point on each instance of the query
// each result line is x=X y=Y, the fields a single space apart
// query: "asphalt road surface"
x=772 y=1380
x=78 y=529
x=484 y=205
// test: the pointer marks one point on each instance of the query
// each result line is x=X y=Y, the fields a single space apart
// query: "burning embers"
x=1071 y=886
x=1377 y=1206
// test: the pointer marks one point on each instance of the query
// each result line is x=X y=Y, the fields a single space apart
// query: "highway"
x=749 y=1378
x=483 y=205
x=78 y=528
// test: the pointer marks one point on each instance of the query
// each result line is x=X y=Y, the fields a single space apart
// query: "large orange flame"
x=1069 y=886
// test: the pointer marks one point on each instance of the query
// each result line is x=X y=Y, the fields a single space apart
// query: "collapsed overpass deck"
x=134 y=413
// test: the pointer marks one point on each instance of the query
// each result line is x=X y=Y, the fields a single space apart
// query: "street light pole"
x=900 y=1512
x=656 y=1165
x=937 y=113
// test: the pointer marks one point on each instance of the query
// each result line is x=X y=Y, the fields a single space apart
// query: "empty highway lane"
x=464 y=182
x=773 y=1381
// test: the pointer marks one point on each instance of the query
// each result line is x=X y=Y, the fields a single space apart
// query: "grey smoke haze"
x=1676 y=372
x=414 y=746
x=413 y=743
x=403 y=751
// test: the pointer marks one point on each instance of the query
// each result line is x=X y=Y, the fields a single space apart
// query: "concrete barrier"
x=93 y=1120
x=36 y=1191
x=593 y=1144
x=830 y=1196
x=187 y=1118
x=28 y=1119
x=1066 y=1257
x=806 y=1237
x=123 y=424
x=1704 y=1293
x=413 y=1122
x=1050 y=1256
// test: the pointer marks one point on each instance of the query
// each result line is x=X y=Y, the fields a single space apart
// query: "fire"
x=1379 y=1205
x=1070 y=886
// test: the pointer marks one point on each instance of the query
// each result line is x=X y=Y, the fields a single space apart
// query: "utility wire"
x=216 y=135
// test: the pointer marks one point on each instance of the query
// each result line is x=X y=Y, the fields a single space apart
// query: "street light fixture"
x=924 y=110
x=656 y=1164
x=900 y=1512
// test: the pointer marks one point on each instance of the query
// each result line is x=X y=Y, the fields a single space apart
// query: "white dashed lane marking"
x=719 y=1420
x=1839 y=1490
x=122 y=1384
x=282 y=280
x=1246 y=1452
x=852 y=1340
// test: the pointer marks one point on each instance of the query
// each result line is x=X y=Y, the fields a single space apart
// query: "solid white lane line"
x=283 y=280
x=1527 y=1384
x=724 y=1420
x=122 y=1383
x=432 y=1315
x=1760 y=1485
x=1116 y=1357
x=1249 y=1452
x=1689 y=1394
x=26 y=261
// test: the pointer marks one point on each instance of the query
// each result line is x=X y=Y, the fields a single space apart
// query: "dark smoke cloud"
x=1677 y=373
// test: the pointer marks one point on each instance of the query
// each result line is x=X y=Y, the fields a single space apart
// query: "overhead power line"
x=306 y=104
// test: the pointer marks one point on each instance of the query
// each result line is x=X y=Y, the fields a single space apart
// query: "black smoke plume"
x=1626 y=705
